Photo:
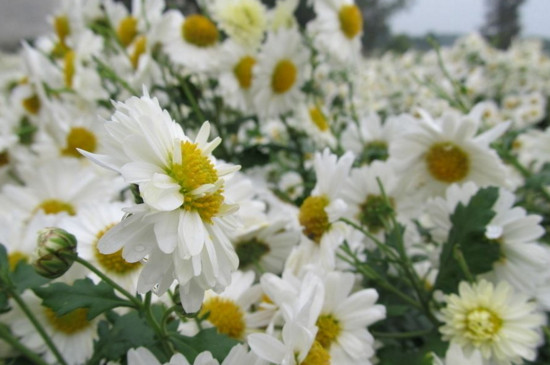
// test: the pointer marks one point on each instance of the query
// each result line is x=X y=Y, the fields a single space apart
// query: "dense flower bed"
x=233 y=187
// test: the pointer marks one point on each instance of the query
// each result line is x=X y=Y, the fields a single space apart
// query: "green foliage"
x=63 y=298
x=125 y=332
x=206 y=340
x=467 y=252
x=25 y=277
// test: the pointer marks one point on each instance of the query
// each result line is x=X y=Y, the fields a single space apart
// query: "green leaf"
x=24 y=277
x=128 y=331
x=63 y=298
x=206 y=340
x=467 y=244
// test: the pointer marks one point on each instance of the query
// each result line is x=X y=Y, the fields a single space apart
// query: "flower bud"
x=55 y=253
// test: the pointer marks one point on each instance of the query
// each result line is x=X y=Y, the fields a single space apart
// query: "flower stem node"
x=55 y=252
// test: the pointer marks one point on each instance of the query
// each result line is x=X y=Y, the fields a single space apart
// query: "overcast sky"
x=463 y=16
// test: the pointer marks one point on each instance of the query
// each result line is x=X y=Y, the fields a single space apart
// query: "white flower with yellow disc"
x=500 y=323
x=180 y=226
x=279 y=73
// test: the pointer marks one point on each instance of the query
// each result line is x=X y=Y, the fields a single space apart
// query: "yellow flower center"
x=196 y=170
x=68 y=71
x=62 y=27
x=69 y=323
x=351 y=20
x=200 y=31
x=329 y=330
x=313 y=217
x=243 y=71
x=79 y=137
x=447 y=162
x=127 y=30
x=32 y=104
x=4 y=158
x=284 y=76
x=54 y=206
x=482 y=325
x=139 y=49
x=225 y=315
x=16 y=256
x=318 y=118
x=317 y=355
x=113 y=262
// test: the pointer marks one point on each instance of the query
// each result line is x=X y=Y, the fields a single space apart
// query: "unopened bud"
x=55 y=252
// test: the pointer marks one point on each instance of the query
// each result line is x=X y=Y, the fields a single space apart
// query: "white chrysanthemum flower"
x=181 y=224
x=230 y=311
x=243 y=20
x=267 y=247
x=524 y=262
x=316 y=122
x=337 y=29
x=502 y=324
x=299 y=301
x=236 y=77
x=455 y=356
x=53 y=187
x=370 y=139
x=533 y=148
x=193 y=42
x=88 y=226
x=282 y=15
x=432 y=154
x=73 y=334
x=279 y=73
x=344 y=318
x=320 y=212
x=368 y=207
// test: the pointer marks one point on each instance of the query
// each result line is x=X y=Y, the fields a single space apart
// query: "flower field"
x=232 y=185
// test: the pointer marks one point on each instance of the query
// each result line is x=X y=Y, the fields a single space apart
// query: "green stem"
x=371 y=274
x=135 y=301
x=14 y=342
x=402 y=335
x=459 y=257
x=38 y=327
x=161 y=333
x=192 y=100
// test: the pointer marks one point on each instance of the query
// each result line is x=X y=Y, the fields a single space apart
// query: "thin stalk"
x=402 y=335
x=28 y=353
x=137 y=303
x=38 y=326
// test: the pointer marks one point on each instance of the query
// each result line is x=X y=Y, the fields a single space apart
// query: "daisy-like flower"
x=299 y=301
x=432 y=154
x=523 y=262
x=368 y=207
x=344 y=319
x=279 y=73
x=194 y=42
x=370 y=139
x=236 y=77
x=182 y=221
x=320 y=212
x=316 y=121
x=88 y=226
x=337 y=29
x=266 y=247
x=73 y=334
x=243 y=20
x=53 y=187
x=502 y=324
x=230 y=311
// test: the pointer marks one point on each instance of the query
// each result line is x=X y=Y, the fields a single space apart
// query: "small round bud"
x=55 y=252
